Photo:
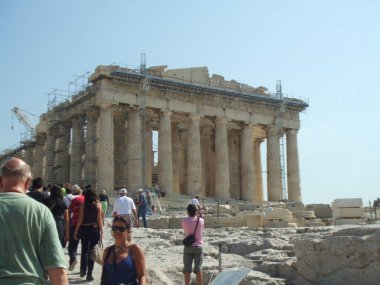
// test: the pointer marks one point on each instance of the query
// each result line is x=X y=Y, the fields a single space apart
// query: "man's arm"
x=58 y=276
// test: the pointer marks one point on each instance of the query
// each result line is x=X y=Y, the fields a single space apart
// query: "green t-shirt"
x=29 y=243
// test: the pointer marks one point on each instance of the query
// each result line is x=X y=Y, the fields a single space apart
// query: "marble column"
x=63 y=158
x=165 y=159
x=194 y=160
x=247 y=165
x=274 y=181
x=134 y=163
x=222 y=176
x=106 y=148
x=90 y=164
x=258 y=170
x=50 y=154
x=37 y=170
x=293 y=170
x=175 y=155
x=77 y=143
x=149 y=154
x=120 y=146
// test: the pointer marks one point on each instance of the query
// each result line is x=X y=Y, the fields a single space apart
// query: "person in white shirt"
x=124 y=206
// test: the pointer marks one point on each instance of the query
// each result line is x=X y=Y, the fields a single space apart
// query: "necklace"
x=119 y=248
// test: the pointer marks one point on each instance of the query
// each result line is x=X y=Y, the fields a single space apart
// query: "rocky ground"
x=321 y=255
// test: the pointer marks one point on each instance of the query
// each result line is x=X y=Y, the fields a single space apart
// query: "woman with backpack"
x=60 y=213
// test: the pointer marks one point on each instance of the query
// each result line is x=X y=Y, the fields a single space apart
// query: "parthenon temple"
x=210 y=134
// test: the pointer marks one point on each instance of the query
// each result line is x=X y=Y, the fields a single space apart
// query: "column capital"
x=105 y=104
x=195 y=116
x=259 y=140
x=166 y=112
x=291 y=131
x=247 y=126
x=221 y=120
x=92 y=111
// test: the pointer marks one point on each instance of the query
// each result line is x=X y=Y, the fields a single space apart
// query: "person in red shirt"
x=73 y=243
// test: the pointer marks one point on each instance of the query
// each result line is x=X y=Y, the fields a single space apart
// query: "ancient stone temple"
x=210 y=133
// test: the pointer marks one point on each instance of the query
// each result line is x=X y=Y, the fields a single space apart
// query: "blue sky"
x=327 y=52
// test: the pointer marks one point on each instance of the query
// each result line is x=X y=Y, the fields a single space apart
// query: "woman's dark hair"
x=90 y=196
x=126 y=221
x=191 y=210
x=55 y=193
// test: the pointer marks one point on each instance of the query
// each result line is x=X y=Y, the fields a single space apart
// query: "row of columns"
x=99 y=162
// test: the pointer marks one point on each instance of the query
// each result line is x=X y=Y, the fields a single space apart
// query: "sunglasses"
x=118 y=229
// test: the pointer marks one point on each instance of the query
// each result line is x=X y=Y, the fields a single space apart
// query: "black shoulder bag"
x=190 y=239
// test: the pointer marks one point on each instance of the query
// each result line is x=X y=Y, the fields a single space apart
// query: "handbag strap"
x=53 y=205
x=196 y=226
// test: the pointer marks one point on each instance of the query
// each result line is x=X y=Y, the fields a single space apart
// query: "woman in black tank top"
x=90 y=230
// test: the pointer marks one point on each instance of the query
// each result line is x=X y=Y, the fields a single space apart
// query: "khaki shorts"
x=130 y=218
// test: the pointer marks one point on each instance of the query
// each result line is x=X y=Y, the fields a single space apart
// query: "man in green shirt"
x=29 y=243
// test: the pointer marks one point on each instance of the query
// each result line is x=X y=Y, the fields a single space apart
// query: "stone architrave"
x=194 y=160
x=90 y=164
x=259 y=196
x=165 y=159
x=274 y=181
x=222 y=176
x=293 y=170
x=134 y=152
x=77 y=144
x=106 y=148
x=39 y=156
x=247 y=165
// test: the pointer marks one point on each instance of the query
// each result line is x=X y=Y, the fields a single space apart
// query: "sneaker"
x=90 y=278
x=82 y=274
x=72 y=265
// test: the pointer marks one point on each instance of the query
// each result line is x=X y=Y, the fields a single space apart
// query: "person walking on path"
x=90 y=224
x=29 y=244
x=60 y=213
x=193 y=225
x=124 y=206
x=37 y=191
x=124 y=262
x=103 y=198
x=74 y=214
x=142 y=204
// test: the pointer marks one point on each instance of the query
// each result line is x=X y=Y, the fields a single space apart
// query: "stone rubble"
x=295 y=256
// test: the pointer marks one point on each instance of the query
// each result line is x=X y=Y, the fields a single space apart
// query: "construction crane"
x=21 y=115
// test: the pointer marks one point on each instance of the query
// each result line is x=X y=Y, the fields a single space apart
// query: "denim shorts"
x=192 y=253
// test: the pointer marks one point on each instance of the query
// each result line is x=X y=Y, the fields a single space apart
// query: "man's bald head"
x=15 y=174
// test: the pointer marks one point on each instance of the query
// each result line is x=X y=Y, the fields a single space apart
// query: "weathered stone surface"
x=278 y=214
x=253 y=221
x=304 y=214
x=321 y=211
x=323 y=255
x=339 y=260
x=160 y=223
x=353 y=221
x=348 y=212
x=347 y=203
x=275 y=223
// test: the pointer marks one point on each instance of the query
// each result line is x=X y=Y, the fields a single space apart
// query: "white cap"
x=139 y=190
x=123 y=191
